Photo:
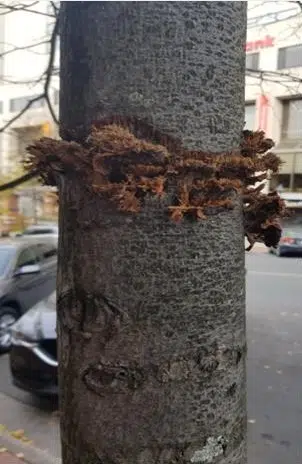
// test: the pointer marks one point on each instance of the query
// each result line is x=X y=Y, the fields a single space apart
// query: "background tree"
x=47 y=44
x=151 y=314
x=152 y=339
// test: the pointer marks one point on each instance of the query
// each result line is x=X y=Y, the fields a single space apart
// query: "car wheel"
x=8 y=316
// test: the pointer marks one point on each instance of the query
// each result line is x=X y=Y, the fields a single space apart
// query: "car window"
x=6 y=255
x=38 y=231
x=27 y=257
x=46 y=251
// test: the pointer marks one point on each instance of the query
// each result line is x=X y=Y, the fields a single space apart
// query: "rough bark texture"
x=151 y=314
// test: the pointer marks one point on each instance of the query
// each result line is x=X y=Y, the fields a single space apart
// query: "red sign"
x=263 y=104
x=255 y=45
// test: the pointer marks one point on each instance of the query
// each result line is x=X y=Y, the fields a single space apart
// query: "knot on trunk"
x=125 y=159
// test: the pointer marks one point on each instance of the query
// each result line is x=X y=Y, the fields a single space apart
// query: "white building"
x=273 y=84
x=274 y=89
x=24 y=57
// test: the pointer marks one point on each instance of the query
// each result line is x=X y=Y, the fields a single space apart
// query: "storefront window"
x=297 y=183
x=291 y=120
x=250 y=114
x=279 y=182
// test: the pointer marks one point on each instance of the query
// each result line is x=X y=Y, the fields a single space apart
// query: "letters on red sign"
x=255 y=45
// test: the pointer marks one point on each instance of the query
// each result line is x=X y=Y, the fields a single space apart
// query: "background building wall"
x=274 y=91
x=273 y=95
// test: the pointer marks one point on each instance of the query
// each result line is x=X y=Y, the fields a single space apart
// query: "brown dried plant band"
x=125 y=159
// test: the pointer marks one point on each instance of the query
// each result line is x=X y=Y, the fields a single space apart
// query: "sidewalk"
x=8 y=458
x=259 y=248
x=28 y=432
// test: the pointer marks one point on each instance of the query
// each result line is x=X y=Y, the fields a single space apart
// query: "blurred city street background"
x=273 y=103
x=274 y=322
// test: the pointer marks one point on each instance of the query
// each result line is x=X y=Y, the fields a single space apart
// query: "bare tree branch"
x=25 y=47
x=267 y=75
x=20 y=180
x=260 y=76
x=26 y=107
x=33 y=81
x=49 y=69
x=48 y=75
x=51 y=110
x=297 y=3
x=25 y=8
x=56 y=8
x=20 y=6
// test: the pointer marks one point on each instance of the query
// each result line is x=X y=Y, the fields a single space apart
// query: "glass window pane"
x=297 y=182
x=17 y=104
x=290 y=57
x=252 y=61
x=279 y=182
x=27 y=257
x=292 y=119
x=250 y=113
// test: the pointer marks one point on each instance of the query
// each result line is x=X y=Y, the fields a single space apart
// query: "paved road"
x=274 y=320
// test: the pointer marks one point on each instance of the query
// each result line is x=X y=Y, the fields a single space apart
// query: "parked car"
x=45 y=230
x=291 y=238
x=27 y=275
x=33 y=356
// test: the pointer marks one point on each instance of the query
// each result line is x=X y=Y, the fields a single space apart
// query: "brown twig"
x=20 y=180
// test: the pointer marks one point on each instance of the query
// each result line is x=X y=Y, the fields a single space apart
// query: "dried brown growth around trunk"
x=127 y=159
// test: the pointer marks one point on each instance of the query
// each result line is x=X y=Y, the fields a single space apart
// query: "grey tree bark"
x=151 y=314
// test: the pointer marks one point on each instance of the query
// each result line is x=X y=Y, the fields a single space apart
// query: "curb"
x=32 y=455
x=258 y=248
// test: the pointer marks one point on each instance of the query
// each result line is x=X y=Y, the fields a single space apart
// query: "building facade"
x=273 y=87
x=273 y=97
x=24 y=58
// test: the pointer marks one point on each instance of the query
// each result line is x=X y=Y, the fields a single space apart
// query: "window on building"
x=291 y=119
x=290 y=176
x=56 y=97
x=297 y=183
x=290 y=57
x=18 y=104
x=280 y=182
x=25 y=136
x=249 y=117
x=252 y=61
x=297 y=176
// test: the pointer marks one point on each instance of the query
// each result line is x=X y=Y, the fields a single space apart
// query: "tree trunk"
x=151 y=320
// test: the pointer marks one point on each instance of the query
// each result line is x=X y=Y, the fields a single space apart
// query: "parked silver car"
x=39 y=230
x=33 y=356
x=27 y=275
x=291 y=239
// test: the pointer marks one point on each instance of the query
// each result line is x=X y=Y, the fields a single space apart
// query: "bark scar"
x=105 y=378
x=91 y=312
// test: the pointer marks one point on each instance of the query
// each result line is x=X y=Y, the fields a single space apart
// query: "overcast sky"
x=259 y=8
